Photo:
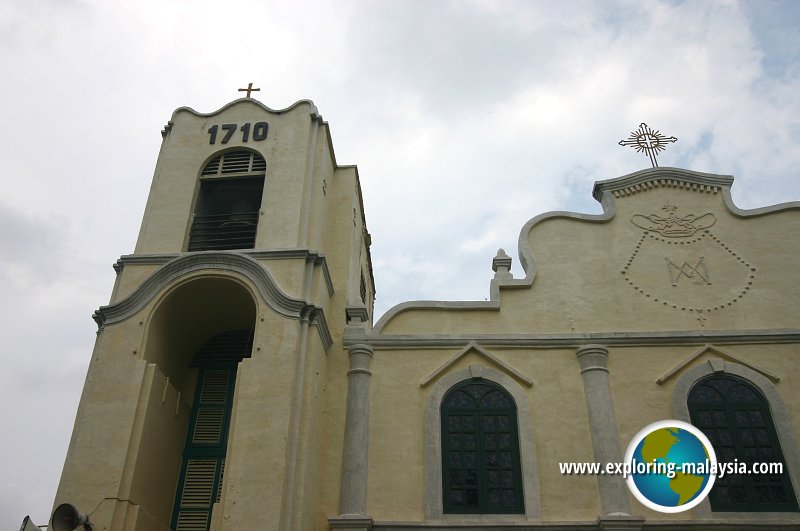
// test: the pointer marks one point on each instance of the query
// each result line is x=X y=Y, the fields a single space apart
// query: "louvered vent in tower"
x=235 y=162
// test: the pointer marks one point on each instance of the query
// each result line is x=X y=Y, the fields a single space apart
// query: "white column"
x=353 y=495
x=603 y=427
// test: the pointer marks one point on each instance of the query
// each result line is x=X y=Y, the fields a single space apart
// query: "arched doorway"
x=197 y=336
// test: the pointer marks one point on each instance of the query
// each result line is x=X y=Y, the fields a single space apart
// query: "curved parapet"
x=683 y=226
x=394 y=311
x=310 y=103
x=679 y=178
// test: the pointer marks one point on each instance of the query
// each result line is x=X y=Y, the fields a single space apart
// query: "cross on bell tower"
x=249 y=89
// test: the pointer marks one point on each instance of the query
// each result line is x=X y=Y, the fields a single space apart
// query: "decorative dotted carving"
x=697 y=271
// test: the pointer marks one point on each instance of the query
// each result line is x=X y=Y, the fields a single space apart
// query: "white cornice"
x=220 y=261
x=657 y=177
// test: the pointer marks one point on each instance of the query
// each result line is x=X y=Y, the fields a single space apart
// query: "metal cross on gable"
x=249 y=89
x=648 y=141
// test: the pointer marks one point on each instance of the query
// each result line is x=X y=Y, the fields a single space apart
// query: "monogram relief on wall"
x=679 y=263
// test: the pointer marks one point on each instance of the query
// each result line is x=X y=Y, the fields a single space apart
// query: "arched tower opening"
x=196 y=338
x=189 y=316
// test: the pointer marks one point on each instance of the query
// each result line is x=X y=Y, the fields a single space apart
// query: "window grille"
x=736 y=419
x=481 y=471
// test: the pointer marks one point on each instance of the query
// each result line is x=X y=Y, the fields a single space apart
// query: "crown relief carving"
x=670 y=225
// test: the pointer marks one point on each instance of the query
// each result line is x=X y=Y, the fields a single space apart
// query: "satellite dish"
x=66 y=518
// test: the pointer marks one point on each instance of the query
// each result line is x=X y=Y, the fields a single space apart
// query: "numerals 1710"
x=259 y=132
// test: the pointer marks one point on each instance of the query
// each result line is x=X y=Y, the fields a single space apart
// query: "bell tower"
x=218 y=387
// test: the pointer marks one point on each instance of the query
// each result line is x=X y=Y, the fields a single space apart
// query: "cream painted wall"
x=588 y=280
x=127 y=436
x=594 y=279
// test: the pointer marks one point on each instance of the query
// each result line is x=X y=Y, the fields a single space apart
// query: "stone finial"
x=501 y=265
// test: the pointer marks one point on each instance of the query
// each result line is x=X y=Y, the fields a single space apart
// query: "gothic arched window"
x=480 y=450
x=736 y=418
x=226 y=212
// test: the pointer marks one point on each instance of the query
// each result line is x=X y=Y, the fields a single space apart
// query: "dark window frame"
x=737 y=419
x=228 y=203
x=484 y=480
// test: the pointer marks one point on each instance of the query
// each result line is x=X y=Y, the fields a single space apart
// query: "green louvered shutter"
x=200 y=484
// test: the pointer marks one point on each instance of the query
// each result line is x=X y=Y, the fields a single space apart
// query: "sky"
x=465 y=119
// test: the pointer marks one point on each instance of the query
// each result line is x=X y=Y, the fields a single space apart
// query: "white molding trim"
x=717 y=366
x=214 y=261
x=473 y=346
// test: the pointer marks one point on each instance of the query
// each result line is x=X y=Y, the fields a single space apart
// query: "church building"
x=240 y=381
